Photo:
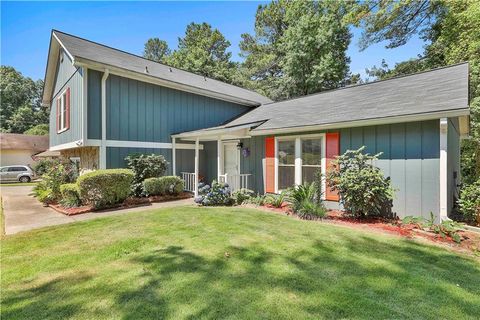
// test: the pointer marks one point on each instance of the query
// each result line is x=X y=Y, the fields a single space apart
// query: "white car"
x=16 y=173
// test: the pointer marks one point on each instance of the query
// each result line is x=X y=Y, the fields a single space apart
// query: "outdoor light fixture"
x=240 y=146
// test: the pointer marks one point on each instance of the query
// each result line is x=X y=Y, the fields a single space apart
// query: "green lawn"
x=172 y=263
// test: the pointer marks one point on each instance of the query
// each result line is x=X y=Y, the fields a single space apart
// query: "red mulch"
x=130 y=202
x=470 y=239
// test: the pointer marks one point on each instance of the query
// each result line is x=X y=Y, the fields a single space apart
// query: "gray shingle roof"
x=443 y=89
x=92 y=51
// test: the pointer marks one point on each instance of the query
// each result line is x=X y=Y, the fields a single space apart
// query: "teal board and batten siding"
x=185 y=158
x=410 y=157
x=140 y=111
x=64 y=79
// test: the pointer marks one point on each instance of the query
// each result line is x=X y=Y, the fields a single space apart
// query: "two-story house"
x=106 y=104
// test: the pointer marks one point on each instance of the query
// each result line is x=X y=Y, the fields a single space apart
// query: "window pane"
x=286 y=152
x=308 y=174
x=312 y=151
x=286 y=177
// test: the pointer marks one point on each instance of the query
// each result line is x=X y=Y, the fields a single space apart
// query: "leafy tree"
x=38 y=130
x=203 y=50
x=21 y=101
x=156 y=50
x=299 y=47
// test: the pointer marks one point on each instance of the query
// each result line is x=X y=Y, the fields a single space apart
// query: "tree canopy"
x=21 y=101
x=299 y=48
x=203 y=50
x=156 y=50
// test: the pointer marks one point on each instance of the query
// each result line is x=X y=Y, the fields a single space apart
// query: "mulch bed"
x=470 y=239
x=130 y=202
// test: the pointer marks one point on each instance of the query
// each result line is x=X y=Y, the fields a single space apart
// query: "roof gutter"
x=362 y=123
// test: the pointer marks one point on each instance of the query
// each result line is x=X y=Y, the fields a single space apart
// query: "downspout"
x=103 y=144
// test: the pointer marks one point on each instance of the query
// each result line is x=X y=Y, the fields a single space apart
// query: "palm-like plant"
x=277 y=200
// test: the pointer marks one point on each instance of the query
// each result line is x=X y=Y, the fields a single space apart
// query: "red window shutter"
x=58 y=115
x=332 y=150
x=270 y=164
x=67 y=109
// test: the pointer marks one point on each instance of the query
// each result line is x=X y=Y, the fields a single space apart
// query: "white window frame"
x=63 y=110
x=298 y=158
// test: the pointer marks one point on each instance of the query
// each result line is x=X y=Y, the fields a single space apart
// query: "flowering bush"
x=54 y=174
x=218 y=194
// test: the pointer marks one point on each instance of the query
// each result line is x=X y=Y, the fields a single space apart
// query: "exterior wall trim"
x=364 y=123
x=64 y=48
x=141 y=144
x=443 y=169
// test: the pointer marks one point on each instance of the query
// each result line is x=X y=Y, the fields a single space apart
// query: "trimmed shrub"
x=469 y=202
x=104 y=188
x=70 y=195
x=144 y=167
x=171 y=185
x=362 y=187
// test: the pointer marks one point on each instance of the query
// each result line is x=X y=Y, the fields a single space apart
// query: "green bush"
x=104 y=188
x=168 y=185
x=69 y=170
x=38 y=130
x=144 y=167
x=469 y=202
x=70 y=195
x=310 y=210
x=242 y=195
x=56 y=173
x=258 y=200
x=276 y=200
x=362 y=187
x=299 y=194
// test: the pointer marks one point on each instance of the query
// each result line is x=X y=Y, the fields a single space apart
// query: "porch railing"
x=189 y=178
x=236 y=181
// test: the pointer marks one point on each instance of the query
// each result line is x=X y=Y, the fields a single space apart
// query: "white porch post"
x=174 y=158
x=103 y=143
x=443 y=170
x=196 y=166
x=219 y=158
x=298 y=162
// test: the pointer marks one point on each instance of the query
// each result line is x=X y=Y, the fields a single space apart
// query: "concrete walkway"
x=23 y=212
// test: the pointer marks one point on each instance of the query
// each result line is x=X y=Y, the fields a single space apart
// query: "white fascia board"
x=140 y=144
x=161 y=82
x=64 y=48
x=364 y=123
x=69 y=145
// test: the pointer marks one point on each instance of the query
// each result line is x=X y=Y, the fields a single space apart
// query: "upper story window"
x=63 y=111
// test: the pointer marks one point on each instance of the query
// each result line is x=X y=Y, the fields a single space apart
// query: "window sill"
x=63 y=130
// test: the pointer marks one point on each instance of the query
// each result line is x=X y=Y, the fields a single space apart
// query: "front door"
x=231 y=164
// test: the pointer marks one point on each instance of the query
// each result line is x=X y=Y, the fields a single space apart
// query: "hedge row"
x=168 y=185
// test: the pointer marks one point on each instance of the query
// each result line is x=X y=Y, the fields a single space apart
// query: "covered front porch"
x=226 y=153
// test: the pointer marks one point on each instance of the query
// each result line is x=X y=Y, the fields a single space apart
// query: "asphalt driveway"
x=23 y=212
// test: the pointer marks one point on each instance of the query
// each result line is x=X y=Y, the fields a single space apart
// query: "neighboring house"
x=107 y=104
x=21 y=149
